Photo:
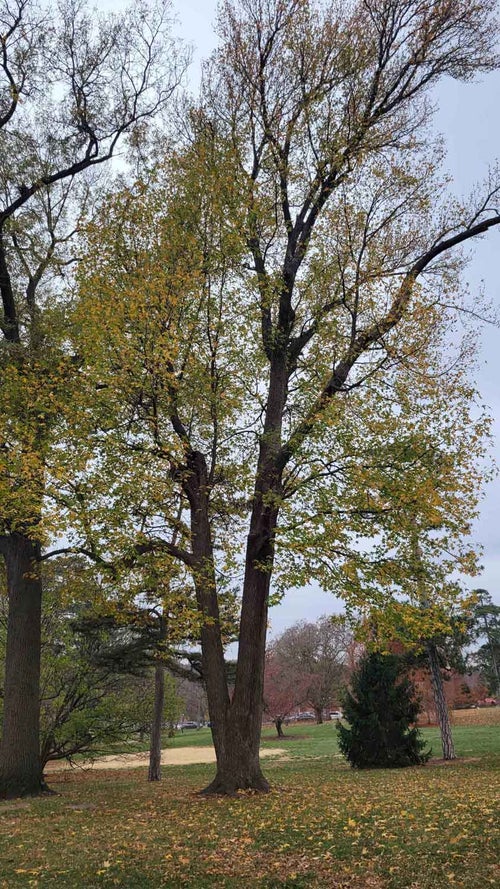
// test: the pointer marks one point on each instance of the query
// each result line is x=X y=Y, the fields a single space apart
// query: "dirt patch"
x=180 y=756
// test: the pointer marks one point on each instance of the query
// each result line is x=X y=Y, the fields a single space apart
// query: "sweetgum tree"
x=271 y=306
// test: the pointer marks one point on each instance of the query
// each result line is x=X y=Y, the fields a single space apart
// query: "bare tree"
x=318 y=653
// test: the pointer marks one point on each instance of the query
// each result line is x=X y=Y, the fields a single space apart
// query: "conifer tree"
x=380 y=709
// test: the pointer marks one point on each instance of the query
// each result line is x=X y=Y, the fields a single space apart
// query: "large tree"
x=274 y=304
x=73 y=85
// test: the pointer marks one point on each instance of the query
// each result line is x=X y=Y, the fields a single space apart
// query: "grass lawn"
x=323 y=825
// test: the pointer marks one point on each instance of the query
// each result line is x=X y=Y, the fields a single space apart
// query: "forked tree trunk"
x=237 y=746
x=20 y=762
x=440 y=702
x=237 y=723
x=154 y=773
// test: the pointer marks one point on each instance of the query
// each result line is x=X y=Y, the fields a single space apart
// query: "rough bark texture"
x=20 y=762
x=154 y=773
x=440 y=703
x=238 y=764
x=237 y=723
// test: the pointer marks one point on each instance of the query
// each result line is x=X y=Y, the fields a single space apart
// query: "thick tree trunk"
x=236 y=726
x=238 y=763
x=156 y=727
x=318 y=711
x=20 y=762
x=440 y=703
x=237 y=723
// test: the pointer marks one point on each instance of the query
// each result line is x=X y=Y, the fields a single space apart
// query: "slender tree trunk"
x=279 y=726
x=156 y=727
x=20 y=763
x=213 y=665
x=440 y=702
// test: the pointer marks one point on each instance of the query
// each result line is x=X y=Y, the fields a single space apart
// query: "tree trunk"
x=20 y=763
x=279 y=723
x=238 y=763
x=156 y=727
x=440 y=702
x=237 y=723
x=319 y=715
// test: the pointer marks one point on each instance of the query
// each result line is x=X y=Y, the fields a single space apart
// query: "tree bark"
x=279 y=723
x=238 y=765
x=440 y=703
x=20 y=762
x=156 y=727
x=319 y=715
x=237 y=724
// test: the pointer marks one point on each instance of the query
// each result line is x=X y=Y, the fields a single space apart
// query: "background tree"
x=427 y=608
x=279 y=298
x=485 y=625
x=92 y=673
x=380 y=709
x=285 y=688
x=317 y=653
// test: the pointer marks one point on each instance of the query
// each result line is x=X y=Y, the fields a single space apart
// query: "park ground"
x=323 y=824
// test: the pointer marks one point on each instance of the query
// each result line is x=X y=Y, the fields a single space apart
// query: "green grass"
x=307 y=740
x=323 y=825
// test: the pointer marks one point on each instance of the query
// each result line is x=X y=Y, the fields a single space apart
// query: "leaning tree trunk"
x=440 y=702
x=20 y=763
x=154 y=773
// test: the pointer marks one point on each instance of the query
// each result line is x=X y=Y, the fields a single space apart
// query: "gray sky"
x=468 y=117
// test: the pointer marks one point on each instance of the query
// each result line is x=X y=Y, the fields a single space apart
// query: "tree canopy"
x=265 y=326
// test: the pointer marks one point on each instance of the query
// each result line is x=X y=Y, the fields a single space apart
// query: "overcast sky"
x=468 y=116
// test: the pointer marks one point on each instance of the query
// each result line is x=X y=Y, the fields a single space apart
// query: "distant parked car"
x=304 y=716
x=336 y=714
x=183 y=725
